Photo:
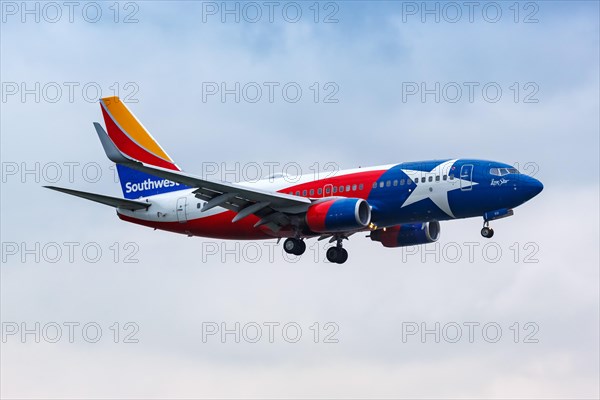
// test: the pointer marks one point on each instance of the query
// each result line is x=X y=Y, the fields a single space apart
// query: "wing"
x=274 y=209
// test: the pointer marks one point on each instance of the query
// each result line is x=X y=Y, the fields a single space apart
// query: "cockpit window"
x=503 y=171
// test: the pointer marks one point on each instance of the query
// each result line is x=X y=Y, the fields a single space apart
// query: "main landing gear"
x=337 y=254
x=486 y=231
x=294 y=246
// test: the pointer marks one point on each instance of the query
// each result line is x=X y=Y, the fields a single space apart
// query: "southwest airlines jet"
x=398 y=204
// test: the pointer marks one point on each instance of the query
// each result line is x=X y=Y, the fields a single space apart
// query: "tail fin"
x=133 y=140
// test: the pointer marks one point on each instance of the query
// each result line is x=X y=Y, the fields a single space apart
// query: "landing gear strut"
x=294 y=246
x=486 y=231
x=337 y=254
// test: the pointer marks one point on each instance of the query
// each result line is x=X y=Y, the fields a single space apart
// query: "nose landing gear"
x=486 y=231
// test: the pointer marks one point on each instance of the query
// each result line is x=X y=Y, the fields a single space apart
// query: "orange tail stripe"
x=132 y=149
x=132 y=127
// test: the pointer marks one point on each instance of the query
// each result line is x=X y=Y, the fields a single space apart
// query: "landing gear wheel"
x=332 y=254
x=294 y=246
x=302 y=247
x=343 y=256
x=337 y=255
x=487 y=232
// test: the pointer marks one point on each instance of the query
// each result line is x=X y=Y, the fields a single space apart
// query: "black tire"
x=491 y=233
x=486 y=232
x=342 y=256
x=289 y=245
x=300 y=247
x=332 y=254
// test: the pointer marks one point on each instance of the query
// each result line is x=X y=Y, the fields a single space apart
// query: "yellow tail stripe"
x=132 y=127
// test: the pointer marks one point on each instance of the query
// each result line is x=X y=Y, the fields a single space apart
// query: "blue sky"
x=368 y=58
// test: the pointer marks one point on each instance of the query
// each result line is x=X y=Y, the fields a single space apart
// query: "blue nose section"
x=532 y=187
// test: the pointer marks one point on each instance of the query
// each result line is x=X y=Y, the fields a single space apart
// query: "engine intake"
x=338 y=215
x=408 y=234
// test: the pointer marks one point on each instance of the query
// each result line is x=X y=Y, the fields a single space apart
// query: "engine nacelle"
x=407 y=234
x=338 y=215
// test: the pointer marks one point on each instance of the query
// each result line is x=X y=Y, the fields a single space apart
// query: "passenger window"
x=445 y=177
x=451 y=176
x=430 y=179
x=327 y=190
x=335 y=189
x=312 y=192
x=341 y=189
x=304 y=192
x=423 y=180
x=353 y=187
x=347 y=188
x=437 y=178
x=374 y=185
x=319 y=191
x=381 y=184
x=360 y=187
x=395 y=183
x=297 y=193
x=198 y=205
x=388 y=183
x=402 y=182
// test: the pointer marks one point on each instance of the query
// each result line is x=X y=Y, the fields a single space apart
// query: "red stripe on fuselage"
x=215 y=226
x=366 y=178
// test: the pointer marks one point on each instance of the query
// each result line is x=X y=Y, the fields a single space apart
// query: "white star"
x=437 y=191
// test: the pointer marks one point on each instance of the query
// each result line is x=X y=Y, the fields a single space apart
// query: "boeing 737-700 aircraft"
x=399 y=204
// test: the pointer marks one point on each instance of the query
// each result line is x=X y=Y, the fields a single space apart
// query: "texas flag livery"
x=398 y=204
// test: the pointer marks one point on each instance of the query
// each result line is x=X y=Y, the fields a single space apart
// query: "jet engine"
x=338 y=215
x=407 y=234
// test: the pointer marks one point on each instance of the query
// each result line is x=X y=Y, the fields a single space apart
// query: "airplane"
x=398 y=204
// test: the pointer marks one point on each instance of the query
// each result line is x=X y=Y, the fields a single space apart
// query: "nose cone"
x=532 y=187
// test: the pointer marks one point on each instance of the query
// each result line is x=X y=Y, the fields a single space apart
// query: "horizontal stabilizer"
x=108 y=200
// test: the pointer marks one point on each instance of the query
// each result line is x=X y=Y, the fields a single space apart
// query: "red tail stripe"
x=130 y=148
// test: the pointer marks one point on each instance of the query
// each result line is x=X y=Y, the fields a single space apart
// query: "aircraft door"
x=182 y=210
x=466 y=177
